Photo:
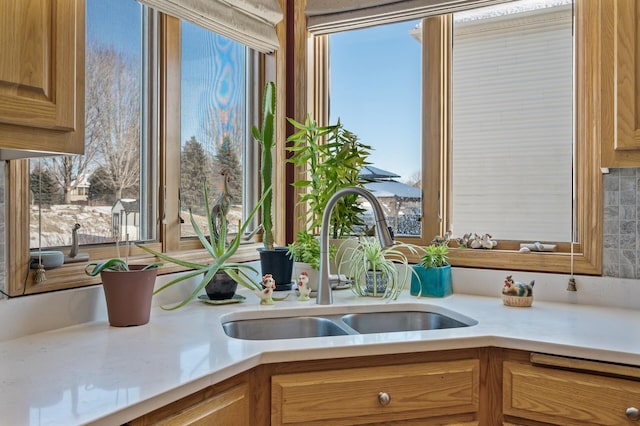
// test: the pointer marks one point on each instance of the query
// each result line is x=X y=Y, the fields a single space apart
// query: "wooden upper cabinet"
x=620 y=26
x=42 y=76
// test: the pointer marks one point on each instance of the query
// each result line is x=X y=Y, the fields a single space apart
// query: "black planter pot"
x=277 y=263
x=221 y=287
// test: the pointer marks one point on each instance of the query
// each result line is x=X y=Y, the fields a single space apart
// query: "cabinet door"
x=229 y=407
x=620 y=26
x=444 y=390
x=567 y=398
x=42 y=75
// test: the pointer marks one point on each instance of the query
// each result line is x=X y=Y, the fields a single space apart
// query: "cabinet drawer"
x=566 y=397
x=351 y=396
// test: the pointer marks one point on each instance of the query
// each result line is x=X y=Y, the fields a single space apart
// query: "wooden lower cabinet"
x=417 y=391
x=480 y=386
x=227 y=403
x=566 y=391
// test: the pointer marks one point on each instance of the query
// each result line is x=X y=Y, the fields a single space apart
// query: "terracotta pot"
x=128 y=295
x=221 y=286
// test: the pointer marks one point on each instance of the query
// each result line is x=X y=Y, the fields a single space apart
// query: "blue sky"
x=375 y=84
x=116 y=22
x=375 y=91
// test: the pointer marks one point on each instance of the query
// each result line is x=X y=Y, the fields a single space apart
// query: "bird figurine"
x=221 y=207
x=475 y=242
x=303 y=286
x=487 y=242
x=515 y=288
x=266 y=295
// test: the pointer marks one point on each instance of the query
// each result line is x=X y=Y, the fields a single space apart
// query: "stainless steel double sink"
x=339 y=324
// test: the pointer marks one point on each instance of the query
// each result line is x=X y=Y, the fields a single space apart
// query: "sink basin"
x=381 y=320
x=386 y=322
x=282 y=328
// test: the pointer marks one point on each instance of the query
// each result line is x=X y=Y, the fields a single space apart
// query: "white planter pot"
x=344 y=247
x=313 y=274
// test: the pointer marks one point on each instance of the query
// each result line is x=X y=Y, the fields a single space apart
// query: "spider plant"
x=368 y=257
x=220 y=251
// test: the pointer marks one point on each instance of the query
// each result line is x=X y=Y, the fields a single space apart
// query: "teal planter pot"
x=433 y=282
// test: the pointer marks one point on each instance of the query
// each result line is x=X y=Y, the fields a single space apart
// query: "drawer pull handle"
x=633 y=413
x=385 y=399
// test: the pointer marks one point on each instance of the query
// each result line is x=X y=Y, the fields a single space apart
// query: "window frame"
x=163 y=126
x=436 y=161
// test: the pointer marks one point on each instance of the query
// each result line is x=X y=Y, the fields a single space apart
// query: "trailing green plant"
x=369 y=256
x=220 y=251
x=306 y=248
x=266 y=137
x=115 y=264
x=435 y=256
x=331 y=158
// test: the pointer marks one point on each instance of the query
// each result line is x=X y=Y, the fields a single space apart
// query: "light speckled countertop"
x=93 y=373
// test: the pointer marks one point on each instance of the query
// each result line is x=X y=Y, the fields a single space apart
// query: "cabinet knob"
x=633 y=413
x=385 y=399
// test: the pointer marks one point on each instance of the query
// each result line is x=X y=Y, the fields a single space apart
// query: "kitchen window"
x=159 y=93
x=497 y=146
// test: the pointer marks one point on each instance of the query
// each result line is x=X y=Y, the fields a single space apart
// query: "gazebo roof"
x=394 y=189
x=374 y=173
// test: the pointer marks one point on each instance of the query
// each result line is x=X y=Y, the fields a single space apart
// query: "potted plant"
x=433 y=275
x=220 y=250
x=331 y=158
x=273 y=260
x=128 y=290
x=328 y=165
x=376 y=270
x=305 y=254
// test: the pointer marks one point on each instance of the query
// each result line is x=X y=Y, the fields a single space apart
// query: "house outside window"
x=515 y=147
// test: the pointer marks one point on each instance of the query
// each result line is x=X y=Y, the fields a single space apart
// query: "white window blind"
x=250 y=22
x=513 y=125
x=330 y=16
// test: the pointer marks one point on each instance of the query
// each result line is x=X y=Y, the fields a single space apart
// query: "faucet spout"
x=324 y=296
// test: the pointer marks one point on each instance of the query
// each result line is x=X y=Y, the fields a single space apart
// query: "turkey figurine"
x=515 y=288
x=266 y=295
x=303 y=286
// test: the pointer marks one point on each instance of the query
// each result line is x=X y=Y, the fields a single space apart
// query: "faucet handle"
x=391 y=233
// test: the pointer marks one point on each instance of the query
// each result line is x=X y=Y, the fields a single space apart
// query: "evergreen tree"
x=227 y=159
x=101 y=187
x=194 y=167
x=43 y=187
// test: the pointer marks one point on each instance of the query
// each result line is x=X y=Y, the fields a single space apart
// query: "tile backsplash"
x=621 y=227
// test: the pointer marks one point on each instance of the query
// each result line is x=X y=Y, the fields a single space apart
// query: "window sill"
x=73 y=275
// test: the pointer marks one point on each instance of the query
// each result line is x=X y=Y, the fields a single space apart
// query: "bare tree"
x=112 y=119
x=69 y=171
x=113 y=115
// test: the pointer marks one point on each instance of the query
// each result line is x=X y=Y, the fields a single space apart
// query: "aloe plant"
x=119 y=265
x=266 y=137
x=220 y=251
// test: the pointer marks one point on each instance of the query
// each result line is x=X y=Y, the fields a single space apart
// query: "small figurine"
x=303 y=287
x=487 y=242
x=266 y=295
x=515 y=288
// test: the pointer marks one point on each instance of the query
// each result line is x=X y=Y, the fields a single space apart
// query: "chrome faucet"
x=324 y=296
